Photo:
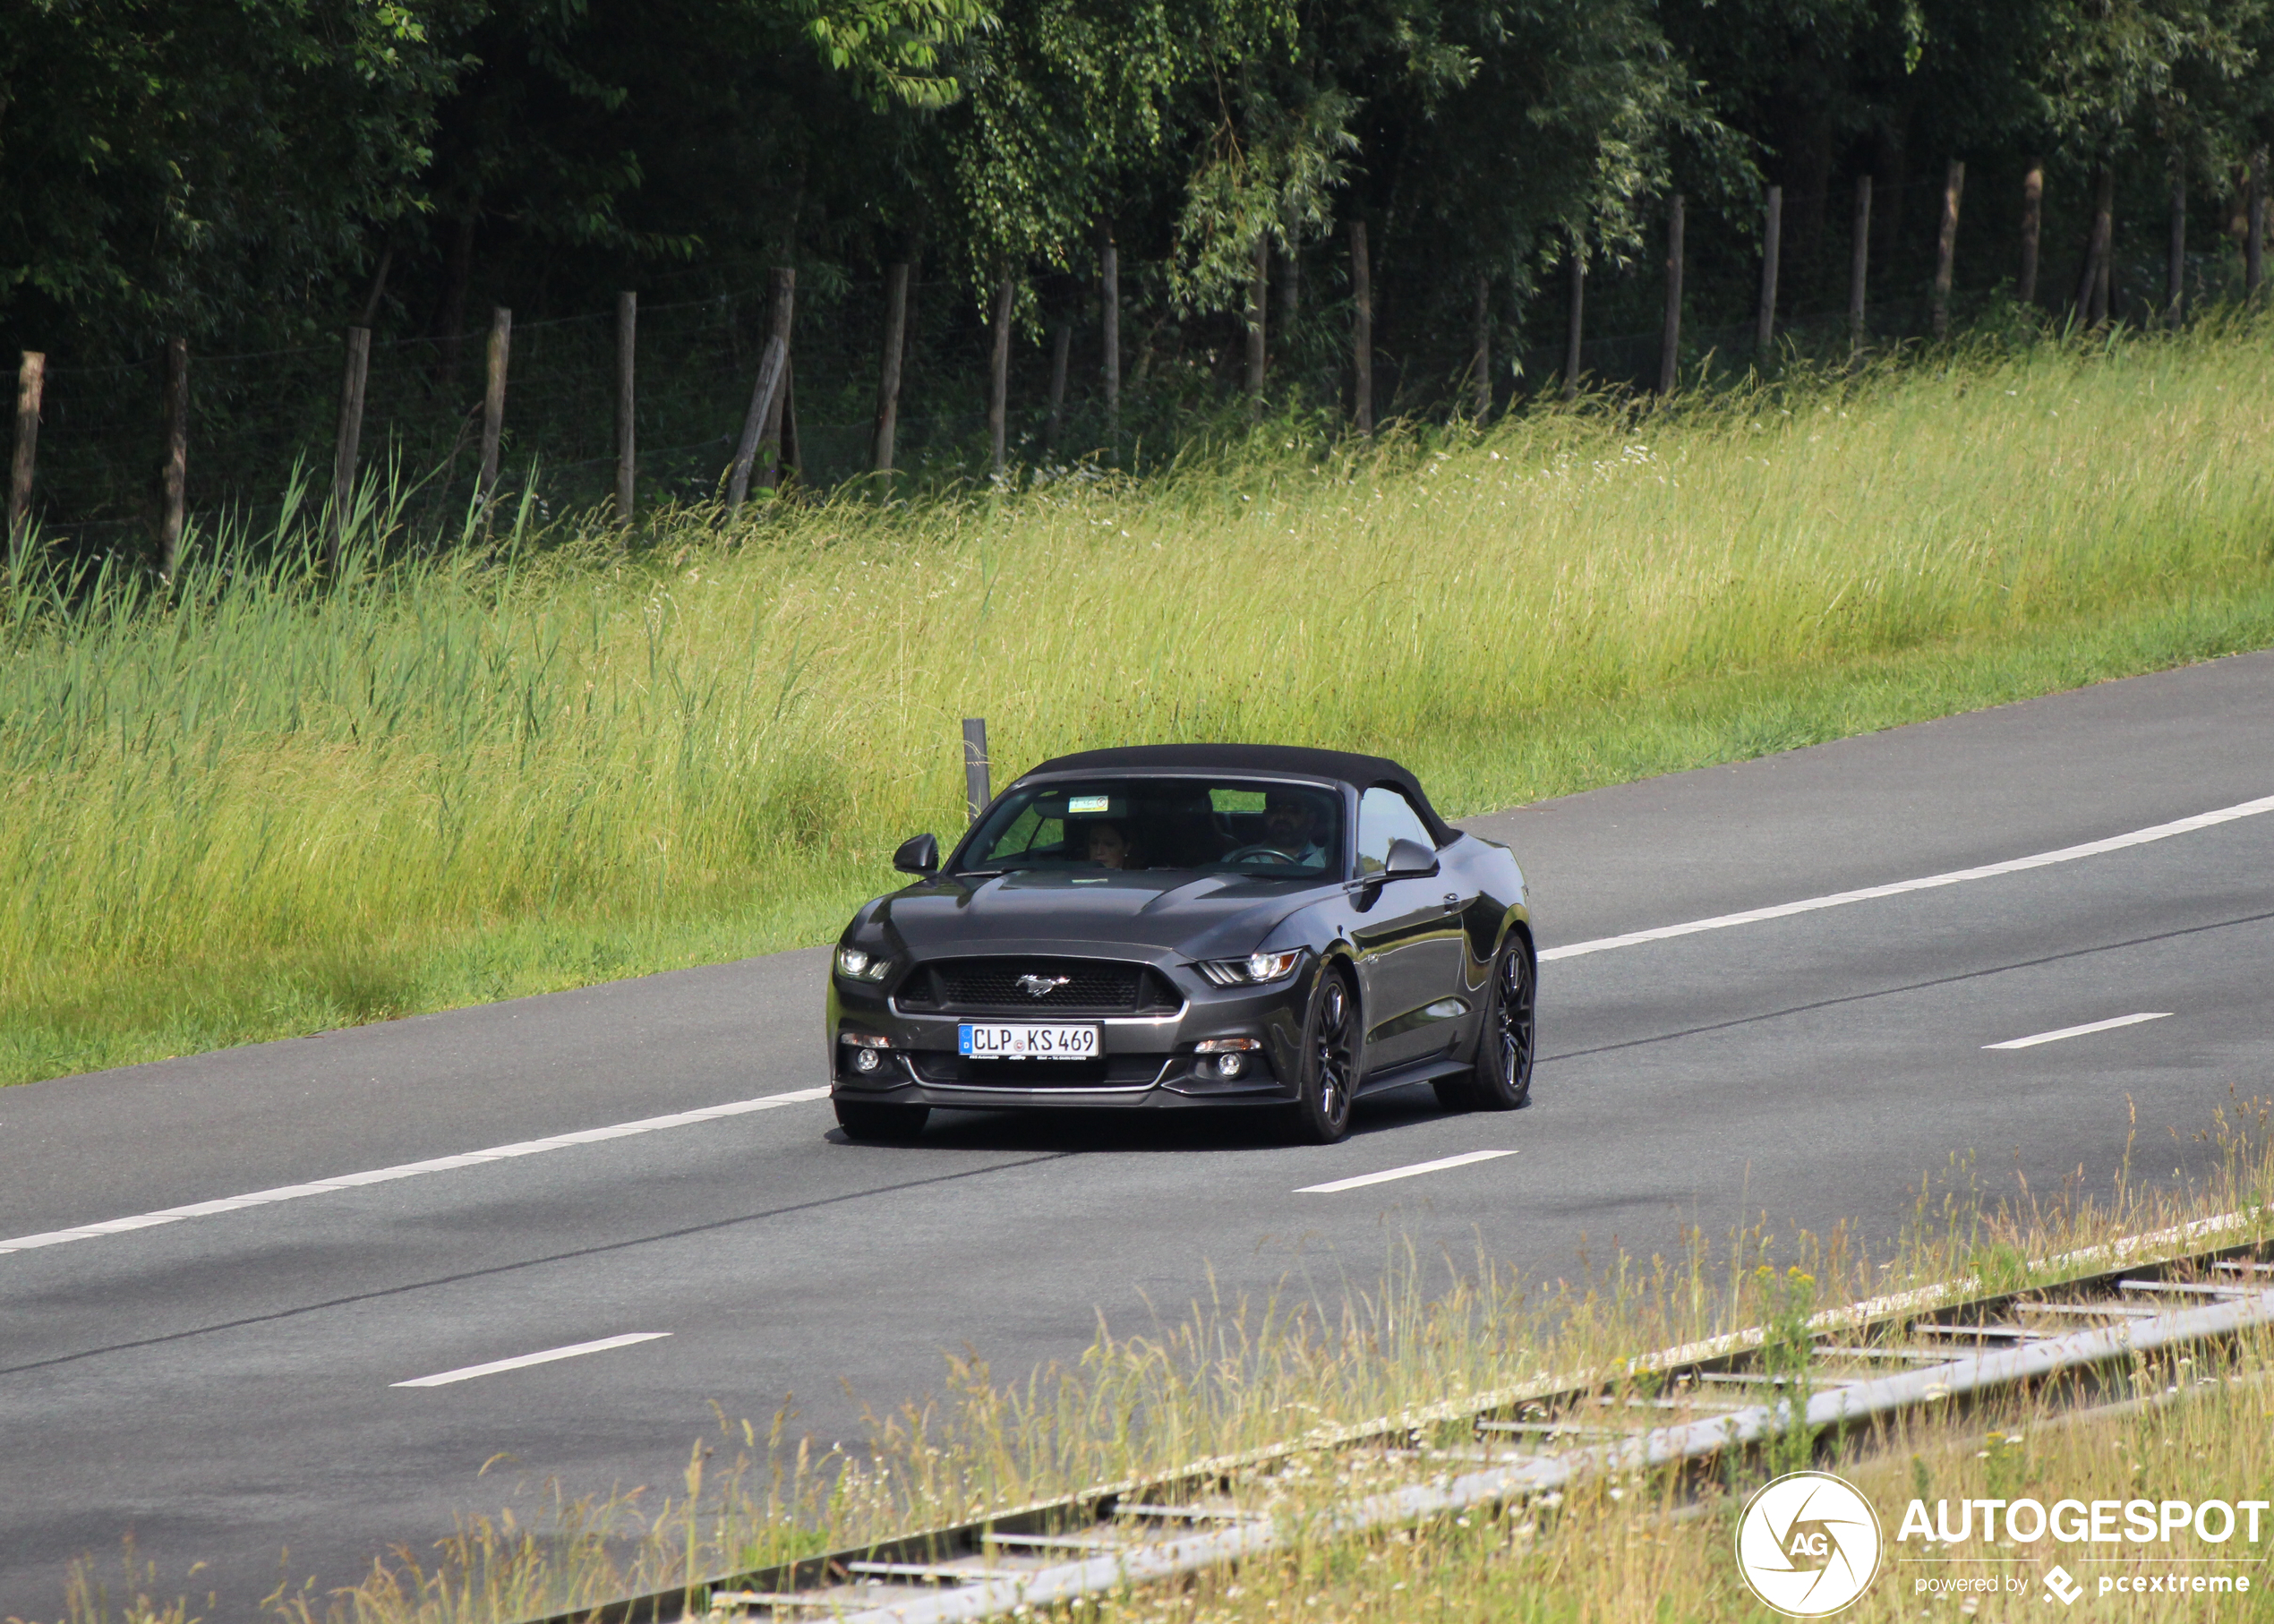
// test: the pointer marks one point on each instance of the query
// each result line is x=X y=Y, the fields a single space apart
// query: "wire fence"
x=256 y=417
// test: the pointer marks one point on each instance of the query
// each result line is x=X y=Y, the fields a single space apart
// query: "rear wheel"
x=872 y=1120
x=1330 y=1075
x=1502 y=1080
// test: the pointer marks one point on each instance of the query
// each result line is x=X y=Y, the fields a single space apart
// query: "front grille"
x=1085 y=987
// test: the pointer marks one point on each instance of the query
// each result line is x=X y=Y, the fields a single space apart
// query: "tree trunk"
x=485 y=484
x=178 y=456
x=1109 y=338
x=1259 y=292
x=1859 y=264
x=1362 y=331
x=1772 y=249
x=888 y=373
x=1575 y=315
x=783 y=325
x=998 y=377
x=2033 y=224
x=1670 y=339
x=1481 y=352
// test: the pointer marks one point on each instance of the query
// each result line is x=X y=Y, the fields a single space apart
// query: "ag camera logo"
x=1808 y=1544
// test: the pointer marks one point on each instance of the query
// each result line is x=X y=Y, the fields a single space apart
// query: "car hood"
x=1042 y=910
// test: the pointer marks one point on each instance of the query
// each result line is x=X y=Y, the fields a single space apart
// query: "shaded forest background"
x=252 y=177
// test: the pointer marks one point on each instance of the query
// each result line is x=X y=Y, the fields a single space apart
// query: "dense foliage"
x=254 y=172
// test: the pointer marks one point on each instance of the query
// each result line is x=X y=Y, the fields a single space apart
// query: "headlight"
x=1254 y=970
x=859 y=964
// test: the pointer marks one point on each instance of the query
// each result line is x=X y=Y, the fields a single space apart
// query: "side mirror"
x=918 y=856
x=1409 y=859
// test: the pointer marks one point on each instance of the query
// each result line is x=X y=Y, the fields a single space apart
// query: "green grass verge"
x=273 y=806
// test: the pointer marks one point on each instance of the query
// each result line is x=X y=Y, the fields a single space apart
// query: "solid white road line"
x=526 y=1360
x=2066 y=854
x=1363 y=1179
x=2031 y=1041
x=381 y=1176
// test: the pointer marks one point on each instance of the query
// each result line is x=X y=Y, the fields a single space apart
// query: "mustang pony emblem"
x=1041 y=986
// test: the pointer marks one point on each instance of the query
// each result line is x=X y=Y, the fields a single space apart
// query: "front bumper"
x=1149 y=1062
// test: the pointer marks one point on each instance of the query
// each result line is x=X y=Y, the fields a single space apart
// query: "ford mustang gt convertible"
x=1180 y=927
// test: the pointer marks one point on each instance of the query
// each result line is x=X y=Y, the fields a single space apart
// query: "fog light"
x=1231 y=1064
x=867 y=1060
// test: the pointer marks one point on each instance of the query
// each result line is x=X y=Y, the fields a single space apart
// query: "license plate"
x=1025 y=1040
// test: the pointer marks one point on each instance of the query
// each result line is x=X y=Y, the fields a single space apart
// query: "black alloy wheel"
x=874 y=1120
x=1330 y=1075
x=1501 y=1079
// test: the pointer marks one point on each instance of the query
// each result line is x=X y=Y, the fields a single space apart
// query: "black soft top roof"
x=1360 y=771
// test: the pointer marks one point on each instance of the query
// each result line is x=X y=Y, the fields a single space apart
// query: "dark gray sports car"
x=1181 y=925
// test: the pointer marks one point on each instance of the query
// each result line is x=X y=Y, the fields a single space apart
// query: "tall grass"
x=279 y=801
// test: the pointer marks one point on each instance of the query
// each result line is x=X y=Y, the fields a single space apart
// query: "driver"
x=1291 y=825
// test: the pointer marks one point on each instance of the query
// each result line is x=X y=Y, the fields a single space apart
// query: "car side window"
x=1385 y=816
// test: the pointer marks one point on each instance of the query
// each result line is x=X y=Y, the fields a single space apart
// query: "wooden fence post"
x=2032 y=225
x=1259 y=293
x=178 y=456
x=772 y=362
x=2254 y=234
x=1575 y=316
x=888 y=372
x=1362 y=329
x=1480 y=364
x=1946 y=245
x=1772 y=248
x=1061 y=354
x=2092 y=280
x=1670 y=339
x=627 y=402
x=2176 y=267
x=1109 y=336
x=485 y=484
x=31 y=378
x=1859 y=264
x=998 y=374
x=350 y=434
x=785 y=327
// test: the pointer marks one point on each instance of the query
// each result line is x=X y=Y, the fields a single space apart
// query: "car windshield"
x=1270 y=830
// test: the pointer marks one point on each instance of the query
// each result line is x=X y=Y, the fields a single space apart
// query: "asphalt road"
x=223 y=1385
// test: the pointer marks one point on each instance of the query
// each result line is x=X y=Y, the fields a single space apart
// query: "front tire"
x=1329 y=1079
x=872 y=1120
x=1502 y=1080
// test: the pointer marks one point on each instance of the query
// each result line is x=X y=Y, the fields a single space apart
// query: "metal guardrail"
x=1683 y=1404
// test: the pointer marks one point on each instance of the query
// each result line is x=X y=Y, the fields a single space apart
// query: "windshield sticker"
x=1089 y=803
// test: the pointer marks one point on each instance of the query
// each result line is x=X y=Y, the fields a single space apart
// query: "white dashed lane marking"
x=2034 y=1039
x=523 y=1361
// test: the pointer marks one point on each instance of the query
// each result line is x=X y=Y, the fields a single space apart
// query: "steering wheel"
x=1249 y=854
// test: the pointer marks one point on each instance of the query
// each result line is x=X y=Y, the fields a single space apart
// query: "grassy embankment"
x=1229 y=1380
x=272 y=809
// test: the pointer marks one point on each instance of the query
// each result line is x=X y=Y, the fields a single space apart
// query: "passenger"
x=1108 y=847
